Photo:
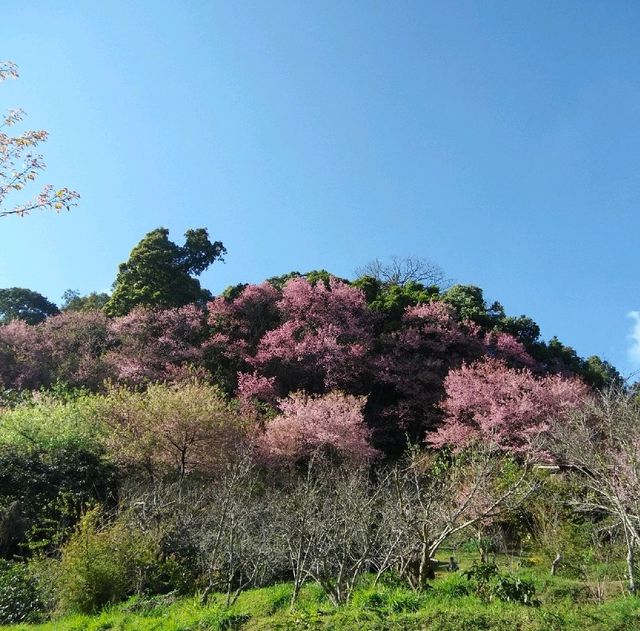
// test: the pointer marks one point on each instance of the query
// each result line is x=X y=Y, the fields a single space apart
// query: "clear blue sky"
x=499 y=139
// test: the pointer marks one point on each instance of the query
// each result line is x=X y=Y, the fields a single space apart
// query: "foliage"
x=469 y=303
x=332 y=423
x=51 y=470
x=20 y=599
x=20 y=163
x=72 y=300
x=392 y=300
x=487 y=582
x=57 y=418
x=171 y=429
x=43 y=494
x=103 y=563
x=488 y=400
x=160 y=273
x=17 y=303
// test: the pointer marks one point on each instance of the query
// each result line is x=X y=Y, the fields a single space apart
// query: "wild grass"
x=565 y=604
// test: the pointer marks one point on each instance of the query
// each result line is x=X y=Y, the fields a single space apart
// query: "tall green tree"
x=18 y=303
x=160 y=273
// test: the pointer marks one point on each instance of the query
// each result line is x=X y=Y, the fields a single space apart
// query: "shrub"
x=20 y=600
x=488 y=583
x=43 y=492
x=104 y=564
x=174 y=429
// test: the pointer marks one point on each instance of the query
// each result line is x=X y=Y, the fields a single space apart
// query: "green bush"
x=52 y=468
x=104 y=564
x=20 y=600
x=43 y=493
x=488 y=583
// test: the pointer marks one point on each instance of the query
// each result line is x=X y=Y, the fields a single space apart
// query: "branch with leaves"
x=20 y=163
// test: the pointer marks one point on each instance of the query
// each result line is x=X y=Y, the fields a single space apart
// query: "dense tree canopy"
x=399 y=346
x=160 y=273
x=489 y=401
x=18 y=303
x=72 y=300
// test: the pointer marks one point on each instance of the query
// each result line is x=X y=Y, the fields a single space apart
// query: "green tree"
x=160 y=273
x=392 y=299
x=18 y=303
x=600 y=374
x=469 y=303
x=522 y=328
x=73 y=301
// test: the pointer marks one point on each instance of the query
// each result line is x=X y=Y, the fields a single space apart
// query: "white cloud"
x=633 y=351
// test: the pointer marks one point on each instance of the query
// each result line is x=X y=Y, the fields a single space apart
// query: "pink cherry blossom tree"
x=324 y=341
x=73 y=346
x=506 y=347
x=317 y=424
x=509 y=407
x=150 y=344
x=414 y=361
x=237 y=323
x=23 y=362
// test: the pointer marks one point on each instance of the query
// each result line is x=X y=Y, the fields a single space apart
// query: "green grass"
x=565 y=604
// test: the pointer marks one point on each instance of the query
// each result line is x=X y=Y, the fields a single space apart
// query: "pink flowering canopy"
x=315 y=337
x=83 y=349
x=489 y=401
x=239 y=324
x=324 y=340
x=317 y=424
x=415 y=360
x=22 y=358
x=152 y=343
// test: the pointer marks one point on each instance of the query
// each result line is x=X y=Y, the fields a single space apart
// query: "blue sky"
x=499 y=139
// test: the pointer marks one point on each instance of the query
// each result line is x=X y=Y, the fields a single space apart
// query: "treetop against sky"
x=500 y=141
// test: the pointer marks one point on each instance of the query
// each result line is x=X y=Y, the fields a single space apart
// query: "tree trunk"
x=630 y=567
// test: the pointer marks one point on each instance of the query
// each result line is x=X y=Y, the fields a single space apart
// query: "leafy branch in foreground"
x=20 y=163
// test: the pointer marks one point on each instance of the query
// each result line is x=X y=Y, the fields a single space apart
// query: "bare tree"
x=331 y=526
x=435 y=497
x=226 y=520
x=235 y=538
x=403 y=270
x=600 y=446
x=351 y=532
x=297 y=528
